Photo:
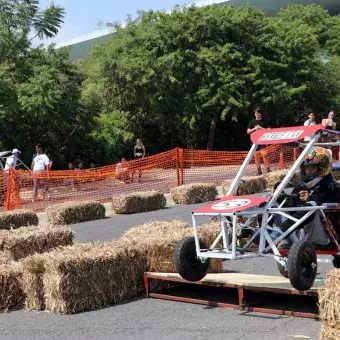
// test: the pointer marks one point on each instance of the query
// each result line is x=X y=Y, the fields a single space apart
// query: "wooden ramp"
x=244 y=292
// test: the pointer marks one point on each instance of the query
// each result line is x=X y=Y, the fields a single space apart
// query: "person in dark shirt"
x=254 y=125
x=317 y=184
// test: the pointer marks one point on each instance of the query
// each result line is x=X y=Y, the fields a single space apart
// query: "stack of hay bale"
x=138 y=202
x=70 y=212
x=194 y=193
x=329 y=307
x=89 y=276
x=250 y=185
x=20 y=237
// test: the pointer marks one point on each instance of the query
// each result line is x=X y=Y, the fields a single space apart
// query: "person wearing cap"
x=12 y=161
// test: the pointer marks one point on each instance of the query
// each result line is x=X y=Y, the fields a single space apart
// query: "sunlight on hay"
x=138 y=202
x=22 y=242
x=11 y=292
x=18 y=218
x=194 y=193
x=75 y=212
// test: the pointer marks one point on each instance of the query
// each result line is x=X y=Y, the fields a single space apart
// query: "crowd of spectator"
x=262 y=153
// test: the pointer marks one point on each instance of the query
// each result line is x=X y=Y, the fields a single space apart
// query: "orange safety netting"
x=25 y=189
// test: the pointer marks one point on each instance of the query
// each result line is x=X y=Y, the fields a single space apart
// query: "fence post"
x=177 y=167
x=181 y=166
x=9 y=177
x=12 y=191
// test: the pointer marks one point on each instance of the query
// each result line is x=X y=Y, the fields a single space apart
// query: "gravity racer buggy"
x=299 y=263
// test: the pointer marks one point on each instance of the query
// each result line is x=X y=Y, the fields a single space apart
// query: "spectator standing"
x=329 y=122
x=309 y=122
x=139 y=153
x=254 y=125
x=12 y=161
x=40 y=163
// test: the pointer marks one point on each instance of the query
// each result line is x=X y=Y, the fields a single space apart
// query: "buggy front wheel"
x=302 y=265
x=186 y=262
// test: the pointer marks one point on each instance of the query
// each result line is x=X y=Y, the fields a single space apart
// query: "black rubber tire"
x=302 y=265
x=336 y=261
x=282 y=270
x=186 y=262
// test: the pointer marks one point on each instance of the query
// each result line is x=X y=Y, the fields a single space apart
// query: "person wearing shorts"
x=40 y=163
x=254 y=125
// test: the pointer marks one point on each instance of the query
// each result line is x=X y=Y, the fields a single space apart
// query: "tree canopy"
x=175 y=78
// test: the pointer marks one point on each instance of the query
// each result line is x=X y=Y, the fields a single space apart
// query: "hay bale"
x=11 y=293
x=247 y=186
x=329 y=306
x=194 y=193
x=33 y=268
x=333 y=279
x=273 y=177
x=329 y=333
x=22 y=242
x=159 y=239
x=18 y=218
x=71 y=212
x=77 y=279
x=138 y=202
x=89 y=276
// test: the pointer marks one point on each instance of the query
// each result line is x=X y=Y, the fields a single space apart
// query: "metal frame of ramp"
x=244 y=292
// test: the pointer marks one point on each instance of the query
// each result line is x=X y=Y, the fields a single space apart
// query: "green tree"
x=176 y=76
x=40 y=89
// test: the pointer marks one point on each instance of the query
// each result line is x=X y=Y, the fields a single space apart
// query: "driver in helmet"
x=317 y=184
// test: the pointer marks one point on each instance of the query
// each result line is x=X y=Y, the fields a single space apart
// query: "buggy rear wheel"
x=283 y=271
x=186 y=262
x=302 y=265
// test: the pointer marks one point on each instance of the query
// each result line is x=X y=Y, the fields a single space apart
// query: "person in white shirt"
x=310 y=121
x=40 y=163
x=12 y=161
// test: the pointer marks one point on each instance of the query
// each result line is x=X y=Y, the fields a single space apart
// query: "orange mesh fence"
x=37 y=190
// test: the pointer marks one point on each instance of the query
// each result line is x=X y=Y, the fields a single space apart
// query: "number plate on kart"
x=232 y=204
x=283 y=135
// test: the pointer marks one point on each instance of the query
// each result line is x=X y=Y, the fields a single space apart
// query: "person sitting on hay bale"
x=122 y=173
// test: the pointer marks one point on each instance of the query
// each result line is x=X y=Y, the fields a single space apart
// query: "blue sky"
x=84 y=16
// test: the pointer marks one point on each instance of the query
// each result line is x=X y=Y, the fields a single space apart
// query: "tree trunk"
x=212 y=131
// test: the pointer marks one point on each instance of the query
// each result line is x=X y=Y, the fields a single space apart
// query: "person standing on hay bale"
x=122 y=173
x=139 y=153
x=254 y=125
x=40 y=164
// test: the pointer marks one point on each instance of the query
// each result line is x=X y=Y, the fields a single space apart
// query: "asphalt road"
x=152 y=319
